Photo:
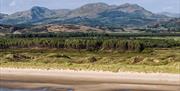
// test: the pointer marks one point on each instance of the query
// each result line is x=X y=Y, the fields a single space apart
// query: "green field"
x=163 y=60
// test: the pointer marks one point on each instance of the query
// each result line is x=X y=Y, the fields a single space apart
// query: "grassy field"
x=150 y=60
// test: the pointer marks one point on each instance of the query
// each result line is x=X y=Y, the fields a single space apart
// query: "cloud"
x=13 y=3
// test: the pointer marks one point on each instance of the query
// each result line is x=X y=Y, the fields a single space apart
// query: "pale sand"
x=88 y=80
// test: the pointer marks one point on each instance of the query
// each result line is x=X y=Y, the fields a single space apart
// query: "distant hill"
x=9 y=28
x=173 y=23
x=95 y=14
x=32 y=15
x=48 y=28
x=61 y=28
x=169 y=26
x=174 y=15
x=3 y=15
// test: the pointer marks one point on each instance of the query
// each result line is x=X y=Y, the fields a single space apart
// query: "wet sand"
x=67 y=80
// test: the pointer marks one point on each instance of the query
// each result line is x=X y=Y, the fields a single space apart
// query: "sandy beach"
x=68 y=80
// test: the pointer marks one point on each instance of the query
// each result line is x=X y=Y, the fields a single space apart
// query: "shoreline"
x=140 y=75
x=79 y=80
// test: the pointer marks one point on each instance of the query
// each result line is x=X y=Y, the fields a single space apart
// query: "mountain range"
x=94 y=14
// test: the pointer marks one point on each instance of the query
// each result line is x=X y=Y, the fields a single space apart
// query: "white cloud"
x=13 y=3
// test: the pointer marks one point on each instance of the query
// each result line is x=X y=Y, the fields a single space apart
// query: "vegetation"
x=92 y=51
x=156 y=60
x=90 y=34
x=90 y=44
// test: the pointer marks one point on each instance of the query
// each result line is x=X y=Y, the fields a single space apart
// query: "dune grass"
x=155 y=60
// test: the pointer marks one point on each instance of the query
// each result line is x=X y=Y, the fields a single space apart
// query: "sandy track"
x=88 y=80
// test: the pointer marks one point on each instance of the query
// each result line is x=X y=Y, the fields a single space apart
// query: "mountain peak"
x=36 y=7
x=128 y=4
x=39 y=8
x=38 y=12
x=89 y=10
x=96 y=4
x=132 y=7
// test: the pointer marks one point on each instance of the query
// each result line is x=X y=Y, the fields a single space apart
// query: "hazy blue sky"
x=11 y=6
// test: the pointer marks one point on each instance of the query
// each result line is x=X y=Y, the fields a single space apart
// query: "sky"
x=156 y=6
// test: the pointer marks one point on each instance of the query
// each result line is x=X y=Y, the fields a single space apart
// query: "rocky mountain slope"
x=95 y=14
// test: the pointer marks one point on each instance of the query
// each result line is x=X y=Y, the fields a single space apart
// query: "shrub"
x=17 y=57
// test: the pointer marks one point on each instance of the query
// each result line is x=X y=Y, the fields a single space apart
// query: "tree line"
x=91 y=44
x=89 y=34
